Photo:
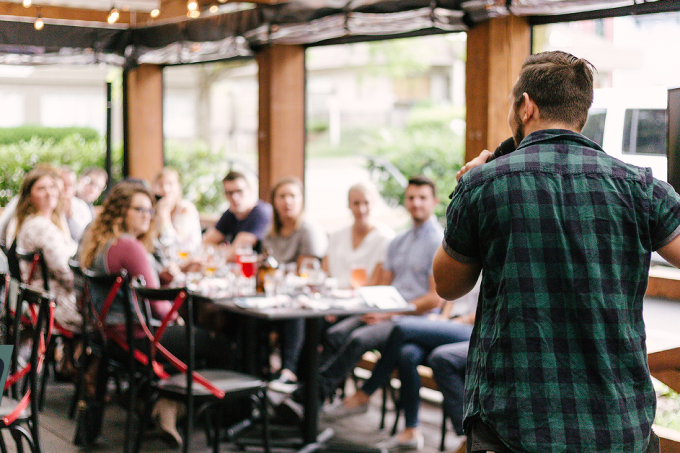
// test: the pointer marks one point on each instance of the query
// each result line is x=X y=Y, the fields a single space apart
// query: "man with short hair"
x=563 y=233
x=407 y=267
x=247 y=219
x=91 y=184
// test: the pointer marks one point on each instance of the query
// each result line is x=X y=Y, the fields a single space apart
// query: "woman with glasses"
x=122 y=238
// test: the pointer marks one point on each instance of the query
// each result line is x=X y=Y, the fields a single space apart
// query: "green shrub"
x=12 y=135
x=202 y=171
x=73 y=150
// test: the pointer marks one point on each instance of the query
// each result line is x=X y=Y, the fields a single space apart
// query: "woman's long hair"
x=110 y=223
x=277 y=224
x=25 y=208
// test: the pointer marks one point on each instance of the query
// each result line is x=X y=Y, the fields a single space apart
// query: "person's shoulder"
x=187 y=207
x=263 y=207
x=128 y=241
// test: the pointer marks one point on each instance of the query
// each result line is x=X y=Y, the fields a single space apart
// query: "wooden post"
x=143 y=121
x=496 y=50
x=281 y=136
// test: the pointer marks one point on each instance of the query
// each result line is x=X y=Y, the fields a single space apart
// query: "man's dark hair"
x=234 y=175
x=421 y=180
x=560 y=84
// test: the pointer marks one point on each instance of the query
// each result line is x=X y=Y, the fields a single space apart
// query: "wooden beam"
x=281 y=137
x=496 y=50
x=143 y=110
x=69 y=14
x=664 y=282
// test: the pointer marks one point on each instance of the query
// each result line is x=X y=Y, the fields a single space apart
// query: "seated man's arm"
x=428 y=301
x=213 y=236
x=453 y=278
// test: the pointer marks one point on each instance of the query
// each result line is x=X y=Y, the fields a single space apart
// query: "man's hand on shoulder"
x=476 y=162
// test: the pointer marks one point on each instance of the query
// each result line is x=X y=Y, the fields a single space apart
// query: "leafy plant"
x=427 y=146
x=202 y=170
x=74 y=150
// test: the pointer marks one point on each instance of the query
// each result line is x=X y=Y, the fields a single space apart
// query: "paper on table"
x=263 y=302
x=382 y=297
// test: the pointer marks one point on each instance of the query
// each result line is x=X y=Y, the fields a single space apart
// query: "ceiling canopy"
x=176 y=32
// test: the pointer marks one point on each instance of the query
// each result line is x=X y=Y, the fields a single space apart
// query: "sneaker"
x=339 y=410
x=283 y=385
x=394 y=444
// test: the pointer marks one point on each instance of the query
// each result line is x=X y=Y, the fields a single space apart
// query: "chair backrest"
x=38 y=266
x=40 y=308
x=181 y=297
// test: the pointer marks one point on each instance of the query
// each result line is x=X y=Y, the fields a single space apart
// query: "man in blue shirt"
x=247 y=219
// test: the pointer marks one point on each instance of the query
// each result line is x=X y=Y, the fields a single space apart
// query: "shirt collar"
x=544 y=135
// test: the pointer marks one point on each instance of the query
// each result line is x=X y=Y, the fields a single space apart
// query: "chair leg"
x=265 y=419
x=442 y=443
x=396 y=398
x=383 y=407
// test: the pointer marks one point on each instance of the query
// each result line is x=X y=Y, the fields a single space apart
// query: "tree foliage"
x=427 y=145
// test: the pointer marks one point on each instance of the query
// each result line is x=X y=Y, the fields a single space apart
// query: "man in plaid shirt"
x=563 y=233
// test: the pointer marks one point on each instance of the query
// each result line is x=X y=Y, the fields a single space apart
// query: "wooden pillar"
x=496 y=50
x=281 y=136
x=143 y=121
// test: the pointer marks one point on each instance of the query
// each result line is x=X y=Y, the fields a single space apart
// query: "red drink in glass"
x=248 y=265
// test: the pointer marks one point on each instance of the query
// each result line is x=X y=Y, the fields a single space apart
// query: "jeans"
x=448 y=367
x=410 y=342
x=344 y=344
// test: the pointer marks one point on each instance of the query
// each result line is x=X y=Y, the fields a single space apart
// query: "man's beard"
x=518 y=134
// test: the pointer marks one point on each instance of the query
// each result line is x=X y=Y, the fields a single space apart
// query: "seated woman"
x=40 y=225
x=121 y=237
x=362 y=244
x=179 y=226
x=291 y=239
x=411 y=341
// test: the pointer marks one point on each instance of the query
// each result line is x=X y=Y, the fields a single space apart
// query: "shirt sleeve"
x=261 y=220
x=664 y=214
x=461 y=236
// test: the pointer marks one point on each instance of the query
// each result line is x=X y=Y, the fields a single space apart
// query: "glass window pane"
x=594 y=128
x=651 y=132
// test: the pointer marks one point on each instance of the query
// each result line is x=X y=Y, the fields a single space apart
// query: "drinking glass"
x=358 y=277
x=309 y=267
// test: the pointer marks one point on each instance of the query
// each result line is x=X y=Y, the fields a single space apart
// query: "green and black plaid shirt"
x=564 y=232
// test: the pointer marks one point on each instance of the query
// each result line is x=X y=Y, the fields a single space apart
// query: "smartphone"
x=506 y=147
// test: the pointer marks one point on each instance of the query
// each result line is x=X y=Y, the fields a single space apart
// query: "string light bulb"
x=155 y=12
x=194 y=14
x=39 y=22
x=192 y=5
x=27 y=3
x=214 y=9
x=113 y=16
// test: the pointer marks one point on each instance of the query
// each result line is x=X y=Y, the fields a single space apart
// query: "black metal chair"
x=208 y=389
x=19 y=411
x=117 y=354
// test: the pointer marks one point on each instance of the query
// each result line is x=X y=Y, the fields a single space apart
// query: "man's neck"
x=243 y=214
x=419 y=223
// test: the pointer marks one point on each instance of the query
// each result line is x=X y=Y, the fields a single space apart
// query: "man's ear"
x=530 y=110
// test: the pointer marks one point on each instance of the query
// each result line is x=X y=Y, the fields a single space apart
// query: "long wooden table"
x=213 y=313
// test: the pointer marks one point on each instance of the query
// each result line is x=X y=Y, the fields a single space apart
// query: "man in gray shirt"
x=407 y=267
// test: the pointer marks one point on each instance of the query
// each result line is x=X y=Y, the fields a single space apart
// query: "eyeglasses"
x=231 y=193
x=140 y=210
